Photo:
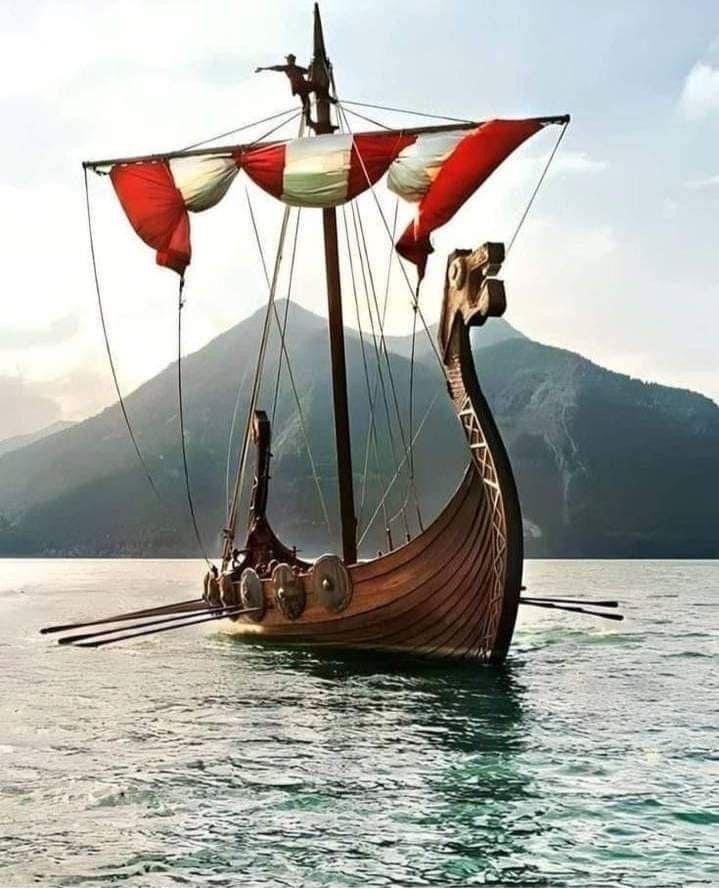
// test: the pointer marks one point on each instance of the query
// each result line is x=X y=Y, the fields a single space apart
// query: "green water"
x=192 y=758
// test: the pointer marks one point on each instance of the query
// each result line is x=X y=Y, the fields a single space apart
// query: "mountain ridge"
x=595 y=453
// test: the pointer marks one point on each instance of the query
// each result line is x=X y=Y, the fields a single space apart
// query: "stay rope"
x=536 y=189
x=372 y=430
x=108 y=349
x=290 y=373
x=288 y=111
x=383 y=344
x=181 y=417
x=406 y=111
x=256 y=382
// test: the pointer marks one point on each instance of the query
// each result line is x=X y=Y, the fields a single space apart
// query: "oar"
x=230 y=612
x=570 y=608
x=600 y=603
x=130 y=615
x=66 y=640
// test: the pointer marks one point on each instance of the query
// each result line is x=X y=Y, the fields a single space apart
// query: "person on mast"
x=301 y=84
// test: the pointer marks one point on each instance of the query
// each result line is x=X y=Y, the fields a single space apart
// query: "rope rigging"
x=108 y=349
x=293 y=111
x=536 y=189
x=383 y=345
x=229 y=531
x=406 y=111
x=384 y=385
x=372 y=429
x=181 y=417
x=290 y=373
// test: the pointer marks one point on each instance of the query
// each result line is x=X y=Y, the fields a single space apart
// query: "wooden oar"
x=130 y=615
x=230 y=612
x=570 y=608
x=67 y=640
x=599 y=603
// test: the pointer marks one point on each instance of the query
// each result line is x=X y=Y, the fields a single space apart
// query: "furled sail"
x=437 y=168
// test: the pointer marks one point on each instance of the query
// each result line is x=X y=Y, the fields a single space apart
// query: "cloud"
x=50 y=334
x=24 y=407
x=578 y=162
x=708 y=182
x=700 y=95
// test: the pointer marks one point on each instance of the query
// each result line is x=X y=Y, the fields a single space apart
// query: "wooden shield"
x=251 y=594
x=229 y=592
x=331 y=583
x=289 y=591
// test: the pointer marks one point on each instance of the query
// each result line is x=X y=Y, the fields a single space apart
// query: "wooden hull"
x=453 y=591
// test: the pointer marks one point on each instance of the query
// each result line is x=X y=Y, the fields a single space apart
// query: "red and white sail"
x=437 y=170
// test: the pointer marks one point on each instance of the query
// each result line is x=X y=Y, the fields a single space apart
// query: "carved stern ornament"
x=472 y=295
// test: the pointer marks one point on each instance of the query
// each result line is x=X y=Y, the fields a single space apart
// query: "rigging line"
x=385 y=352
x=230 y=508
x=108 y=349
x=396 y=475
x=228 y=459
x=390 y=260
x=229 y=531
x=274 y=129
x=415 y=305
x=238 y=399
x=370 y=398
x=181 y=417
x=290 y=279
x=376 y=123
x=372 y=431
x=341 y=114
x=412 y=358
x=286 y=314
x=407 y=111
x=245 y=126
x=290 y=374
x=380 y=372
x=414 y=294
x=536 y=189
x=385 y=304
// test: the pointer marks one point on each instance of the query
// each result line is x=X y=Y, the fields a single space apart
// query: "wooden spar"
x=229 y=150
x=319 y=72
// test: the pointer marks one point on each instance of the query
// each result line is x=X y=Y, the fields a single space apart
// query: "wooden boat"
x=453 y=589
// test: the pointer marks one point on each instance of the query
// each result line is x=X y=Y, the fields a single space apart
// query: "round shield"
x=289 y=591
x=331 y=583
x=229 y=592
x=251 y=594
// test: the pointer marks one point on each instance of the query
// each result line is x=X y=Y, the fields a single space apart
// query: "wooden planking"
x=452 y=591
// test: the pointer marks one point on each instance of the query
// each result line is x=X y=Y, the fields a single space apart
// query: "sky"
x=617 y=260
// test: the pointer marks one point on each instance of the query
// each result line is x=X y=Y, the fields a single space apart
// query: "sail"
x=450 y=179
x=438 y=168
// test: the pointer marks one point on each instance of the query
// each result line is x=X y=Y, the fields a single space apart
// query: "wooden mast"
x=320 y=76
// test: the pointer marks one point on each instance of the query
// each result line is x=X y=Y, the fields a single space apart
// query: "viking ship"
x=452 y=589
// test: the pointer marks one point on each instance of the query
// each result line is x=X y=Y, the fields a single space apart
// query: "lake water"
x=194 y=758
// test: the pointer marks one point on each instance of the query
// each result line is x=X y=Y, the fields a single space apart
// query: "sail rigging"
x=454 y=587
x=438 y=168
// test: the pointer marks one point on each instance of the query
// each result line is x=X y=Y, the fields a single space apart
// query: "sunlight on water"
x=195 y=758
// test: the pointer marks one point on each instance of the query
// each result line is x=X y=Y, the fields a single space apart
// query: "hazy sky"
x=618 y=260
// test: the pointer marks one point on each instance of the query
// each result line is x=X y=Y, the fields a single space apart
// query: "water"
x=193 y=758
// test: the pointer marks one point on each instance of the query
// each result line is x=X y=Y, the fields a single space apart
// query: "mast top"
x=319 y=51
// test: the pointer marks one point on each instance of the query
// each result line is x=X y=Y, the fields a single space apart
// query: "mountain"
x=19 y=441
x=606 y=465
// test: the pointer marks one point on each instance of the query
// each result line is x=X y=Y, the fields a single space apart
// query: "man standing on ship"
x=300 y=86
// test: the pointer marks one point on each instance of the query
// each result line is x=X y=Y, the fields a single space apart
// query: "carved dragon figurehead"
x=471 y=292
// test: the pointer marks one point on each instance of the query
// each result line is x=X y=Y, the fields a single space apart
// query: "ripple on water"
x=192 y=759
